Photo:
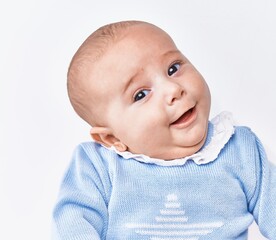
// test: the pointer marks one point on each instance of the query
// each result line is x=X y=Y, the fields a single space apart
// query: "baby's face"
x=155 y=101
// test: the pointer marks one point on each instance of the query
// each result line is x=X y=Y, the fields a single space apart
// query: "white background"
x=232 y=43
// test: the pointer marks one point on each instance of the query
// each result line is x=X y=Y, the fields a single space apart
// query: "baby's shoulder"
x=244 y=131
x=244 y=137
x=94 y=153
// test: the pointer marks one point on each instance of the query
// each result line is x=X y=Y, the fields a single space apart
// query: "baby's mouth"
x=184 y=117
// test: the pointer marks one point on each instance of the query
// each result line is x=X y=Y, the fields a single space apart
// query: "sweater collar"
x=220 y=130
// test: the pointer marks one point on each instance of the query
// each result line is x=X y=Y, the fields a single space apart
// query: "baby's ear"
x=104 y=136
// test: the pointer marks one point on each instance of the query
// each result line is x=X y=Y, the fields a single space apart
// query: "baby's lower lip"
x=186 y=118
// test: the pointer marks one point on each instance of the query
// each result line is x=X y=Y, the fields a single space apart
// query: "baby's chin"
x=179 y=151
x=176 y=153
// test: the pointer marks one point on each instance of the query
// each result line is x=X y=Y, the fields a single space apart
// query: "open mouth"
x=184 y=117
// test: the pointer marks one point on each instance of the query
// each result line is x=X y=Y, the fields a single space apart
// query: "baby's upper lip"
x=179 y=116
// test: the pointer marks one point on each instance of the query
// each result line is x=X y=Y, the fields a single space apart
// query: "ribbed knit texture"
x=104 y=196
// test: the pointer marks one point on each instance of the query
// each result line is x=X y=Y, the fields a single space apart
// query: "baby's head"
x=139 y=93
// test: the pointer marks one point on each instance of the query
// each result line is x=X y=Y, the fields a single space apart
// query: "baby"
x=158 y=168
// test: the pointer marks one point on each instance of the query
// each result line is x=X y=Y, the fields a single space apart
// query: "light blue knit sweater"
x=104 y=196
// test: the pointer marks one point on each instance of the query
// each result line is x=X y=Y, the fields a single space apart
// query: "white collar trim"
x=222 y=132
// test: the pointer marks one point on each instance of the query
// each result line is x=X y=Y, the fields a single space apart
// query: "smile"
x=185 y=119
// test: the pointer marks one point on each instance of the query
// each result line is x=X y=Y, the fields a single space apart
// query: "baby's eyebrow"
x=171 y=52
x=128 y=83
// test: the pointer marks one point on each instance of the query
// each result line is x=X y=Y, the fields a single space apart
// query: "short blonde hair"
x=88 y=53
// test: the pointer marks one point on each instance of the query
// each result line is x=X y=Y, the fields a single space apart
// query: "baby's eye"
x=141 y=94
x=173 y=69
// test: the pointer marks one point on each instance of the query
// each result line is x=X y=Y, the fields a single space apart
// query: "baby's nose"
x=174 y=92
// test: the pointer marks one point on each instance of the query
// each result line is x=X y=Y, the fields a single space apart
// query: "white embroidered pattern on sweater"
x=172 y=224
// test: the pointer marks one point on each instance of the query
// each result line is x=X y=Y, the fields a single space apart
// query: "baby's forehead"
x=130 y=43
